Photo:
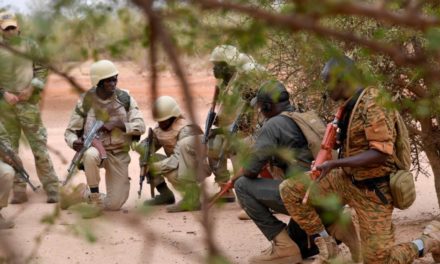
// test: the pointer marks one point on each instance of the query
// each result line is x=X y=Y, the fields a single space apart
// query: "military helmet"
x=271 y=91
x=226 y=53
x=339 y=68
x=8 y=19
x=164 y=108
x=101 y=70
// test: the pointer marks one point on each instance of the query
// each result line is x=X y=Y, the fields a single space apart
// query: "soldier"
x=360 y=177
x=177 y=136
x=238 y=79
x=6 y=179
x=123 y=122
x=21 y=83
x=260 y=196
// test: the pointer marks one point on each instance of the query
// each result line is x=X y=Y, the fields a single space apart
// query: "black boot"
x=165 y=196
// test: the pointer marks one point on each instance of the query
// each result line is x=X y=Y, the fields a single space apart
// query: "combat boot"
x=431 y=240
x=19 y=197
x=52 y=197
x=166 y=196
x=77 y=195
x=328 y=249
x=96 y=199
x=181 y=206
x=283 y=250
x=242 y=215
x=347 y=234
x=5 y=224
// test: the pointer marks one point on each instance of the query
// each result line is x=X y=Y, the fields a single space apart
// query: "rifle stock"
x=89 y=140
x=6 y=152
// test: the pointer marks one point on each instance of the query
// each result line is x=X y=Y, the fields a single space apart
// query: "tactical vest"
x=106 y=110
x=168 y=139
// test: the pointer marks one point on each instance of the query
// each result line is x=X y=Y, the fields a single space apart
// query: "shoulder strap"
x=124 y=98
x=351 y=119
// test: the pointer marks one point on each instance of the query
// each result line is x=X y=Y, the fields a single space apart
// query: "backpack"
x=402 y=154
x=312 y=127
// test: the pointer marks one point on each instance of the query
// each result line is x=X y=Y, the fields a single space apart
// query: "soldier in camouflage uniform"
x=360 y=177
x=123 y=123
x=238 y=80
x=21 y=83
x=178 y=137
x=7 y=174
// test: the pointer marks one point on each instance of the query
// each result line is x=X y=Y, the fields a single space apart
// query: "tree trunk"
x=431 y=152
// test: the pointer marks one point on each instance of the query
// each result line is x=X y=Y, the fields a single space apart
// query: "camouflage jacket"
x=17 y=72
x=4 y=137
x=235 y=100
x=371 y=126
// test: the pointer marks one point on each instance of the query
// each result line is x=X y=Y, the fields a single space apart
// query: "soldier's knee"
x=91 y=156
x=240 y=185
x=287 y=189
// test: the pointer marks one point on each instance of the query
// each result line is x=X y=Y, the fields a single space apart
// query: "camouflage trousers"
x=376 y=227
x=6 y=180
x=26 y=117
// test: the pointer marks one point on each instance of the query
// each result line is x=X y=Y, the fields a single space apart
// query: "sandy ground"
x=156 y=237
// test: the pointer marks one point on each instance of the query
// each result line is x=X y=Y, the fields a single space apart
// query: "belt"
x=372 y=185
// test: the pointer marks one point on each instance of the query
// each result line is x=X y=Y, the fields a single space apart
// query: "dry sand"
x=157 y=237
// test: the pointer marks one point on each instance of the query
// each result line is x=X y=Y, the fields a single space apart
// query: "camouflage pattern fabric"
x=26 y=117
x=376 y=227
x=372 y=127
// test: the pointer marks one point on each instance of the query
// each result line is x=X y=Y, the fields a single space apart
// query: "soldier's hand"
x=326 y=167
x=109 y=126
x=26 y=94
x=78 y=145
x=11 y=98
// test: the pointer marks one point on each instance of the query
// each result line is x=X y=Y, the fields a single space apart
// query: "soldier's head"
x=224 y=58
x=272 y=98
x=165 y=111
x=104 y=76
x=9 y=25
x=341 y=77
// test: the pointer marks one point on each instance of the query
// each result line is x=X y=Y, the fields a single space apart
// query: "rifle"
x=144 y=164
x=211 y=116
x=89 y=140
x=325 y=153
x=6 y=152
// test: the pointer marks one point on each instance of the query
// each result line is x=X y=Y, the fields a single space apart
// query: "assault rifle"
x=89 y=140
x=144 y=164
x=325 y=153
x=7 y=153
x=211 y=116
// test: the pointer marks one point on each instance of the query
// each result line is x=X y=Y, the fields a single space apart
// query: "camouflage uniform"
x=235 y=96
x=180 y=162
x=16 y=75
x=372 y=127
x=116 y=143
x=6 y=171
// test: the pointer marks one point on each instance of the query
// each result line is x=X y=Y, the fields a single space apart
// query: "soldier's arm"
x=135 y=124
x=76 y=124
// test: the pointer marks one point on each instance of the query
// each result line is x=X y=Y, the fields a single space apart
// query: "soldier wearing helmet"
x=123 y=122
x=21 y=83
x=177 y=136
x=238 y=78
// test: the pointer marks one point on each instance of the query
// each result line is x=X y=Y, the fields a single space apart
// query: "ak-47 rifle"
x=7 y=153
x=325 y=153
x=144 y=164
x=211 y=116
x=89 y=140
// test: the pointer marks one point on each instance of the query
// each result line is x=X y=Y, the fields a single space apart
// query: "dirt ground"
x=157 y=237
